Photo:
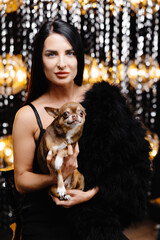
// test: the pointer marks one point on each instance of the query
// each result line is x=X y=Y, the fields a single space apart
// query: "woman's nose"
x=61 y=62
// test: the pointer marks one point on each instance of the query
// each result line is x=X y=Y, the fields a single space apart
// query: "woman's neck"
x=63 y=94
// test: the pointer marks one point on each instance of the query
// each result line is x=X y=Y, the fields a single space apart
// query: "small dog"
x=65 y=129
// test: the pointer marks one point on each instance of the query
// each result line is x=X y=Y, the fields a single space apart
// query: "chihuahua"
x=65 y=129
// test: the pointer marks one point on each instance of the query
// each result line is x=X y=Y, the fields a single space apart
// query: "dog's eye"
x=65 y=114
x=81 y=113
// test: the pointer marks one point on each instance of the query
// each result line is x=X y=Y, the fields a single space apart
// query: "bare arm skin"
x=24 y=148
x=24 y=129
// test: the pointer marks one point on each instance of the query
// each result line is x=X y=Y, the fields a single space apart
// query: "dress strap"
x=37 y=116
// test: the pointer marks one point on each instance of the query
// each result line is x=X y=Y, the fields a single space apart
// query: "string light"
x=125 y=52
x=138 y=60
x=63 y=11
x=75 y=15
x=154 y=56
x=147 y=59
x=107 y=49
x=115 y=40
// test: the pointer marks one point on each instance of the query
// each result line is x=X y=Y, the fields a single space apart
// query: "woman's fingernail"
x=50 y=152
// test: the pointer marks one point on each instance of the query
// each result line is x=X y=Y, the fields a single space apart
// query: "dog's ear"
x=52 y=111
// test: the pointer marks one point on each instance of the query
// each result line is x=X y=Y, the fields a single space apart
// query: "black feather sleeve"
x=114 y=155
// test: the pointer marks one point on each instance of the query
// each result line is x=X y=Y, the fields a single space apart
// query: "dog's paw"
x=67 y=197
x=58 y=162
x=61 y=191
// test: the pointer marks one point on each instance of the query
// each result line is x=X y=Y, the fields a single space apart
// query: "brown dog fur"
x=65 y=129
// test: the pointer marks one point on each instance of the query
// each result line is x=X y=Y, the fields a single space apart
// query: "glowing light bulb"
x=141 y=73
x=20 y=76
x=94 y=72
x=133 y=72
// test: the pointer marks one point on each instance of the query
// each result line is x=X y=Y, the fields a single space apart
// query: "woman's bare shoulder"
x=24 y=112
x=25 y=117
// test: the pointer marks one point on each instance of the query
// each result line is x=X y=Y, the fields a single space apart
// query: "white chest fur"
x=60 y=147
x=70 y=134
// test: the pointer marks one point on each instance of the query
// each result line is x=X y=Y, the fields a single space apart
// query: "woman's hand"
x=70 y=162
x=52 y=172
x=76 y=197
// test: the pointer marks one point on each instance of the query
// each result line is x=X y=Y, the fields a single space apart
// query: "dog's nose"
x=75 y=117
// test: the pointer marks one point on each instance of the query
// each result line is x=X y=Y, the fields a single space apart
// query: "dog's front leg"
x=61 y=190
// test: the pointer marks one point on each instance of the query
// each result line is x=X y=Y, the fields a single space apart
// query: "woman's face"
x=59 y=60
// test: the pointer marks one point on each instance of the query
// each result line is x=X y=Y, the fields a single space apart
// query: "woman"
x=98 y=212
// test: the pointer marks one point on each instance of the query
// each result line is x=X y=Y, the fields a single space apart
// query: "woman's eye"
x=51 y=54
x=70 y=53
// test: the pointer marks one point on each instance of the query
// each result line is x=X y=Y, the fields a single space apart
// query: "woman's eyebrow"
x=70 y=50
x=49 y=50
x=54 y=51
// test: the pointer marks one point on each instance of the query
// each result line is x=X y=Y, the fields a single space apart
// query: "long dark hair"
x=38 y=83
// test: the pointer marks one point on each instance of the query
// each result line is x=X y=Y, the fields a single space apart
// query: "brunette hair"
x=38 y=83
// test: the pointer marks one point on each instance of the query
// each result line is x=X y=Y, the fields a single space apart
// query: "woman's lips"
x=61 y=74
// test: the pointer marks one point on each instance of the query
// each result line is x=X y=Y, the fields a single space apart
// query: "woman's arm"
x=24 y=149
x=76 y=197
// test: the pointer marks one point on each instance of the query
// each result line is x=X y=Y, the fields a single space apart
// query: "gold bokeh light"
x=10 y=5
x=13 y=74
x=148 y=74
x=6 y=153
x=94 y=71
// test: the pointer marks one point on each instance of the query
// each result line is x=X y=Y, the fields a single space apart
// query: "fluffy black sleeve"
x=113 y=156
